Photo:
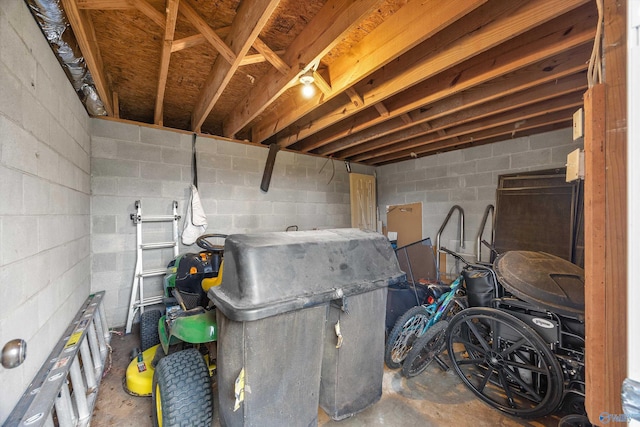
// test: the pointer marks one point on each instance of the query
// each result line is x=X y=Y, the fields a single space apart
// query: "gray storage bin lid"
x=266 y=274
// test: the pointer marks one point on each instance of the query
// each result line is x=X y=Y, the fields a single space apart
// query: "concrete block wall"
x=468 y=178
x=44 y=198
x=131 y=162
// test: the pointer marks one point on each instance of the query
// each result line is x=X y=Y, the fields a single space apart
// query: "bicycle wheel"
x=407 y=329
x=425 y=349
x=505 y=363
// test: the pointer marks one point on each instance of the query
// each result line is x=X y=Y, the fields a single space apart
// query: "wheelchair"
x=519 y=346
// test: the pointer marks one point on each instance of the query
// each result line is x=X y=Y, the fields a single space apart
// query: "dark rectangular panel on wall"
x=539 y=211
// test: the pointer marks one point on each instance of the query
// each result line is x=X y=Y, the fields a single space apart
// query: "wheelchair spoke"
x=520 y=365
x=469 y=345
x=507 y=389
x=513 y=347
x=533 y=395
x=485 y=380
x=472 y=327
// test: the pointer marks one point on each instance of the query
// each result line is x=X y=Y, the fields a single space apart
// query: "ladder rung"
x=151 y=300
x=159 y=245
x=158 y=218
x=154 y=272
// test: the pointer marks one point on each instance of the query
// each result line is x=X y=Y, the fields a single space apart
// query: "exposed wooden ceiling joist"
x=331 y=23
x=396 y=79
x=169 y=29
x=388 y=41
x=568 y=46
x=417 y=67
x=249 y=21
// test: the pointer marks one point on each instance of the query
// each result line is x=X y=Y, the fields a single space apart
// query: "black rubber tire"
x=181 y=392
x=520 y=376
x=574 y=420
x=425 y=349
x=409 y=327
x=149 y=329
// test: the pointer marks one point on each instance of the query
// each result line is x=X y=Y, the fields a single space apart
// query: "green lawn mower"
x=178 y=346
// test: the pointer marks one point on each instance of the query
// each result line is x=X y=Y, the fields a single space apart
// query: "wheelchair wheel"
x=505 y=362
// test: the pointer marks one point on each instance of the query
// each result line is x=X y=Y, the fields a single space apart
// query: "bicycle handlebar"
x=461 y=259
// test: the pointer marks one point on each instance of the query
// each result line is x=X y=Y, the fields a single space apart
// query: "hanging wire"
x=333 y=169
x=594 y=72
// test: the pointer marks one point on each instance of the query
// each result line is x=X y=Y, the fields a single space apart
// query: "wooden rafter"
x=482 y=105
x=212 y=37
x=471 y=135
x=388 y=79
x=571 y=41
x=169 y=29
x=445 y=99
x=414 y=69
x=85 y=34
x=149 y=11
x=247 y=24
x=271 y=56
x=388 y=41
x=498 y=85
x=334 y=20
x=460 y=125
x=104 y=4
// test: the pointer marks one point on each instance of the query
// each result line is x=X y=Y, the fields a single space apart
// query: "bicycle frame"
x=439 y=308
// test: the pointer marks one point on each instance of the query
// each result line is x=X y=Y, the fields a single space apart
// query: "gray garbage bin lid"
x=266 y=274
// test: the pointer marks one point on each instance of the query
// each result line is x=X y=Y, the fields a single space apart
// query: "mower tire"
x=149 y=329
x=181 y=391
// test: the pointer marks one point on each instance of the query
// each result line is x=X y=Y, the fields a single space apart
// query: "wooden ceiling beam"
x=409 y=26
x=322 y=84
x=105 y=4
x=483 y=107
x=355 y=97
x=187 y=42
x=271 y=56
x=527 y=17
x=559 y=54
x=257 y=58
x=478 y=140
x=212 y=37
x=509 y=123
x=165 y=56
x=334 y=20
x=250 y=18
x=149 y=11
x=82 y=26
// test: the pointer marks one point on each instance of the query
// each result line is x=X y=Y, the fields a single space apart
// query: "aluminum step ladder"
x=65 y=388
x=138 y=301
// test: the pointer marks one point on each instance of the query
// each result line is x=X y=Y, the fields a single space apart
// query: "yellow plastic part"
x=213 y=281
x=140 y=382
x=158 y=406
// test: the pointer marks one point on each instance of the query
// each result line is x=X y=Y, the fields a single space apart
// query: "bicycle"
x=442 y=302
x=429 y=345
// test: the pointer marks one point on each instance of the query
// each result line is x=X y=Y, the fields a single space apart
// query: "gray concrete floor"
x=434 y=398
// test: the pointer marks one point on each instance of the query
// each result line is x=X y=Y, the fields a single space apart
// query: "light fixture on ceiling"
x=307 y=79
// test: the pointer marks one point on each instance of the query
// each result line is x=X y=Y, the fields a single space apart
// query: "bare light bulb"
x=308 y=90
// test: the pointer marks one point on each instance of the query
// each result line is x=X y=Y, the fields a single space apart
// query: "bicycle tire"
x=410 y=326
x=425 y=349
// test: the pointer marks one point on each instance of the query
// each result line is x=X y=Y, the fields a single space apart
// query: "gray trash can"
x=352 y=368
x=276 y=306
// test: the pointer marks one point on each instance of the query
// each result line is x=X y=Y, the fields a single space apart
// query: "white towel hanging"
x=195 y=222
